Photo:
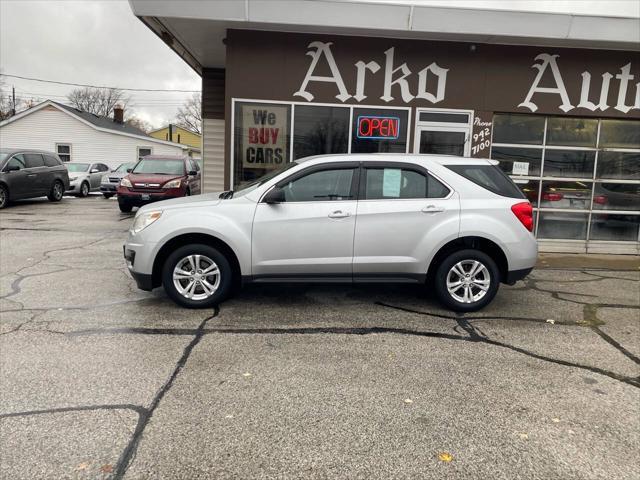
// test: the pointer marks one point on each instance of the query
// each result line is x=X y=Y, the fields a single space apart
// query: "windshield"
x=77 y=167
x=124 y=166
x=245 y=188
x=160 y=166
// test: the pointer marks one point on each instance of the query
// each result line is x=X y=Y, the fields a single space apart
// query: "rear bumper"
x=514 y=275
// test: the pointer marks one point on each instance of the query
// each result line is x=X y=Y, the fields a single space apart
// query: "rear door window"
x=51 y=161
x=489 y=177
x=390 y=183
x=33 y=160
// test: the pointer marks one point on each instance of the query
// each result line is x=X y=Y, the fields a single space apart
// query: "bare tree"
x=190 y=114
x=137 y=122
x=99 y=101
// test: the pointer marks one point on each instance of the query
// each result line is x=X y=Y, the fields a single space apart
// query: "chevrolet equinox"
x=458 y=225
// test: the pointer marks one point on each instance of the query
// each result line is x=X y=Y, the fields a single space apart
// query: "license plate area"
x=145 y=196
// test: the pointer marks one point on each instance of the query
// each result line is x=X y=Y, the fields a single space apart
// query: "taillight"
x=552 y=197
x=524 y=212
x=600 y=199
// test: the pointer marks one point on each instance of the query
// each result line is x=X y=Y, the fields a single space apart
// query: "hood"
x=152 y=178
x=212 y=198
x=116 y=174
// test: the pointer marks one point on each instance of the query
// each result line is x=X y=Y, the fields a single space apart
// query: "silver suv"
x=459 y=225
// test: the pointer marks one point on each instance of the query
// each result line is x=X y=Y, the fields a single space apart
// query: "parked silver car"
x=458 y=224
x=109 y=183
x=85 y=177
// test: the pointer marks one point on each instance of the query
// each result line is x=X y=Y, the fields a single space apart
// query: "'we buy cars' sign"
x=264 y=136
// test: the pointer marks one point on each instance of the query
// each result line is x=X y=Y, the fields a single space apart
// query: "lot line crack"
x=85 y=408
x=129 y=453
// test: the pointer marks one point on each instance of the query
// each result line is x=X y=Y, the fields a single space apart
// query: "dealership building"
x=554 y=97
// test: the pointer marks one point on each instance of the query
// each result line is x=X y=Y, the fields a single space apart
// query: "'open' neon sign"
x=378 y=128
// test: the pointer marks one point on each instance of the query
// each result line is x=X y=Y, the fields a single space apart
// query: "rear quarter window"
x=51 y=161
x=489 y=177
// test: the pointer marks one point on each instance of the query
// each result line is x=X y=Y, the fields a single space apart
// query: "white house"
x=79 y=136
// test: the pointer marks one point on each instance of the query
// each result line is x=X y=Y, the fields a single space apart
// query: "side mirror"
x=11 y=168
x=275 y=195
x=192 y=173
x=129 y=170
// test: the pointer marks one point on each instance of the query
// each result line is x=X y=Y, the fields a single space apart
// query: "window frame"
x=70 y=154
x=293 y=105
x=362 y=191
x=138 y=157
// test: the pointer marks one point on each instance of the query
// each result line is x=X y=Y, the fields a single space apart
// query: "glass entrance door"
x=441 y=142
x=443 y=132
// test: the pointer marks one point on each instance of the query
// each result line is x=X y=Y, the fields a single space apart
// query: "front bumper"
x=140 y=199
x=139 y=258
x=108 y=188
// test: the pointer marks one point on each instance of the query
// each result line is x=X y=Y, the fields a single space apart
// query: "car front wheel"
x=84 y=189
x=467 y=280
x=4 y=196
x=197 y=276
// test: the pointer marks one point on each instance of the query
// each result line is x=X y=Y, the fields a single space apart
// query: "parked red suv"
x=158 y=177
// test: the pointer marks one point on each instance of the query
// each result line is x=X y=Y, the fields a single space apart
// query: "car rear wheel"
x=4 y=196
x=57 y=191
x=84 y=189
x=467 y=280
x=197 y=276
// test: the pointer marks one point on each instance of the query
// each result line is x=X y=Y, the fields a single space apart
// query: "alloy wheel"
x=196 y=277
x=468 y=281
x=3 y=197
x=84 y=189
x=57 y=190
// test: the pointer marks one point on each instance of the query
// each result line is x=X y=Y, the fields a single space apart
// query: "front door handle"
x=31 y=174
x=432 y=209
x=339 y=214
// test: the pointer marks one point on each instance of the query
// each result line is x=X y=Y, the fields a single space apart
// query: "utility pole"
x=13 y=105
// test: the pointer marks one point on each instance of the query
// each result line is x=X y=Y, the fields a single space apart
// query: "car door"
x=37 y=174
x=19 y=182
x=403 y=213
x=309 y=234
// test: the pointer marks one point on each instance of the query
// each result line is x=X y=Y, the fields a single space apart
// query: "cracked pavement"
x=101 y=380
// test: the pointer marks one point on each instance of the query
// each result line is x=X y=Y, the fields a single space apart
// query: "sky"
x=103 y=43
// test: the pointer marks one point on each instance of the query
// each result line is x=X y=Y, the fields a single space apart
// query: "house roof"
x=196 y=30
x=103 y=124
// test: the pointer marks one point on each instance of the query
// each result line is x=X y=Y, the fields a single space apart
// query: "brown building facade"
x=564 y=123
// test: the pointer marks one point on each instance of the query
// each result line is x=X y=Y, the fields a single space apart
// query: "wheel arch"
x=191 y=238
x=473 y=242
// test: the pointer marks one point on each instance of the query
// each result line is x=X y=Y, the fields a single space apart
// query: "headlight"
x=143 y=220
x=125 y=182
x=73 y=179
x=173 y=183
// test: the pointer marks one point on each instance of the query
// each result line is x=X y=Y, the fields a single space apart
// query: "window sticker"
x=520 y=168
x=391 y=182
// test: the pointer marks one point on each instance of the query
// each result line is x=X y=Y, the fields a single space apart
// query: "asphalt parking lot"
x=101 y=380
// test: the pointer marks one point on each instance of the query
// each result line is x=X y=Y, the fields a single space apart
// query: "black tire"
x=57 y=191
x=466 y=257
x=84 y=189
x=124 y=206
x=107 y=195
x=225 y=276
x=4 y=196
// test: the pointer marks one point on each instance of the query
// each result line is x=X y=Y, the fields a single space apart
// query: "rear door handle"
x=31 y=174
x=432 y=209
x=339 y=214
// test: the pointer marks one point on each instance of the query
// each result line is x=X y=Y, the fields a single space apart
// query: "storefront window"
x=622 y=165
x=575 y=132
x=379 y=130
x=620 y=134
x=261 y=139
x=562 y=148
x=521 y=129
x=621 y=228
x=318 y=130
x=569 y=163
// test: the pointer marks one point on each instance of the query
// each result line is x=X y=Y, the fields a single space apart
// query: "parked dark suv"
x=31 y=173
x=158 y=177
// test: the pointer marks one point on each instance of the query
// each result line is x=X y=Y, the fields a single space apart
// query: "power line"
x=98 y=86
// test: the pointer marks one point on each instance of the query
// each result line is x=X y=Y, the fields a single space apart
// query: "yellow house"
x=177 y=134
